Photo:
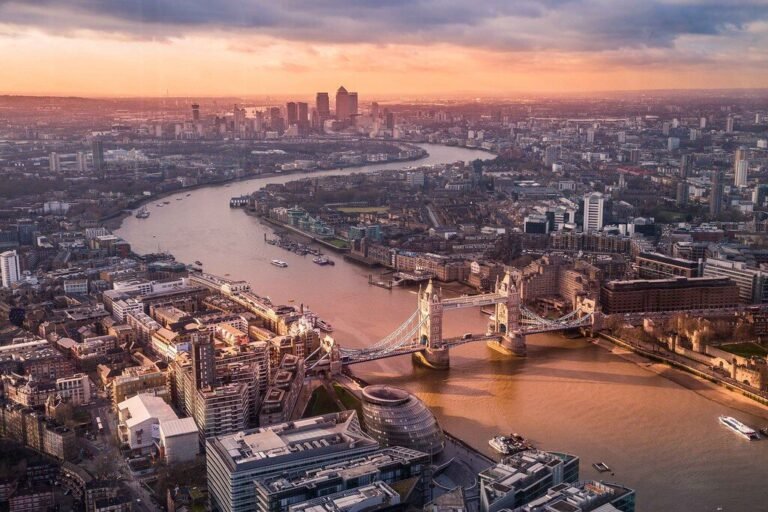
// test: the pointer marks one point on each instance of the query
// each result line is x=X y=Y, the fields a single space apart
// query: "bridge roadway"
x=416 y=347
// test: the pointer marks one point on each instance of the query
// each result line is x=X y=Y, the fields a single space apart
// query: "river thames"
x=661 y=439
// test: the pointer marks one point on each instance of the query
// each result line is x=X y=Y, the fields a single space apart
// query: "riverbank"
x=705 y=388
x=115 y=220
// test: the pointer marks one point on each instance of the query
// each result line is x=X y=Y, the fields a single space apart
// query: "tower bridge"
x=421 y=334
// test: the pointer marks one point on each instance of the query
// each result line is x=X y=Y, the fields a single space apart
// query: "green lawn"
x=364 y=209
x=338 y=242
x=320 y=403
x=745 y=349
x=349 y=400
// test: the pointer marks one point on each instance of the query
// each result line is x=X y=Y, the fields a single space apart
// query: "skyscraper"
x=9 y=268
x=594 y=205
x=291 y=112
x=352 y=102
x=303 y=114
x=741 y=173
x=729 y=124
x=323 y=105
x=54 y=162
x=97 y=147
x=82 y=161
x=375 y=110
x=342 y=104
x=685 y=165
x=195 y=112
x=716 y=194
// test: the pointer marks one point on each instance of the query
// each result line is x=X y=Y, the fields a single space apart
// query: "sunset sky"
x=418 y=47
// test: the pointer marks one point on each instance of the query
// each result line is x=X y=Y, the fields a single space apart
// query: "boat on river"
x=739 y=428
x=279 y=263
x=601 y=467
x=322 y=260
x=142 y=213
x=509 y=445
x=324 y=326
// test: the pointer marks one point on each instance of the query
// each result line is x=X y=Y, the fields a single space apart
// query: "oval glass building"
x=395 y=417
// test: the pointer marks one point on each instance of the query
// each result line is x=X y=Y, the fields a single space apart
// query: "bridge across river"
x=422 y=333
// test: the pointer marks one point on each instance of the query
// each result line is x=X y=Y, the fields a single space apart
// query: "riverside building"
x=234 y=461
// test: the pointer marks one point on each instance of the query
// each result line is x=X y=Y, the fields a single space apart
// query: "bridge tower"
x=435 y=355
x=507 y=319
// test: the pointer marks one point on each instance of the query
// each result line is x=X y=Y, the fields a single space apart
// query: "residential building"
x=677 y=294
x=10 y=272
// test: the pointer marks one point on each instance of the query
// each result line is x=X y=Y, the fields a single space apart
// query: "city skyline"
x=422 y=48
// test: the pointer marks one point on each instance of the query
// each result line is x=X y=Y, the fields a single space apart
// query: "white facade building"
x=594 y=204
x=146 y=421
x=9 y=268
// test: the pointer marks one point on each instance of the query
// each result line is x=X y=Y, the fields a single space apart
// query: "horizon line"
x=434 y=95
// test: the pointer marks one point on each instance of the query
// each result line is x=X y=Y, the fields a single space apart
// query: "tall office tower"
x=97 y=148
x=203 y=360
x=716 y=194
x=239 y=121
x=703 y=123
x=9 y=268
x=290 y=109
x=590 y=135
x=665 y=129
x=375 y=110
x=621 y=137
x=275 y=120
x=685 y=165
x=740 y=154
x=195 y=112
x=352 y=104
x=54 y=162
x=729 y=124
x=303 y=113
x=634 y=156
x=258 y=121
x=681 y=197
x=323 y=105
x=342 y=104
x=594 y=205
x=741 y=173
x=390 y=120
x=82 y=161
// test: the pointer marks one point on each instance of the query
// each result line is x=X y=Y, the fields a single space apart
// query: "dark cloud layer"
x=563 y=25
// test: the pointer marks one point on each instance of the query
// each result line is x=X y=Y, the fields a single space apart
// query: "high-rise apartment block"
x=9 y=268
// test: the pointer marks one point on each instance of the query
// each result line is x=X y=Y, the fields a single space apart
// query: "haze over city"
x=420 y=47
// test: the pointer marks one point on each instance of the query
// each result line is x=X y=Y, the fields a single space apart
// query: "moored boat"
x=324 y=326
x=511 y=444
x=279 y=263
x=601 y=467
x=739 y=428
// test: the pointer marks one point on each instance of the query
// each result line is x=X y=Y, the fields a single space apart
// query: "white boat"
x=279 y=263
x=740 y=428
x=324 y=326
x=511 y=444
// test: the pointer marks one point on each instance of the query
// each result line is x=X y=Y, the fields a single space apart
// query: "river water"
x=568 y=395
